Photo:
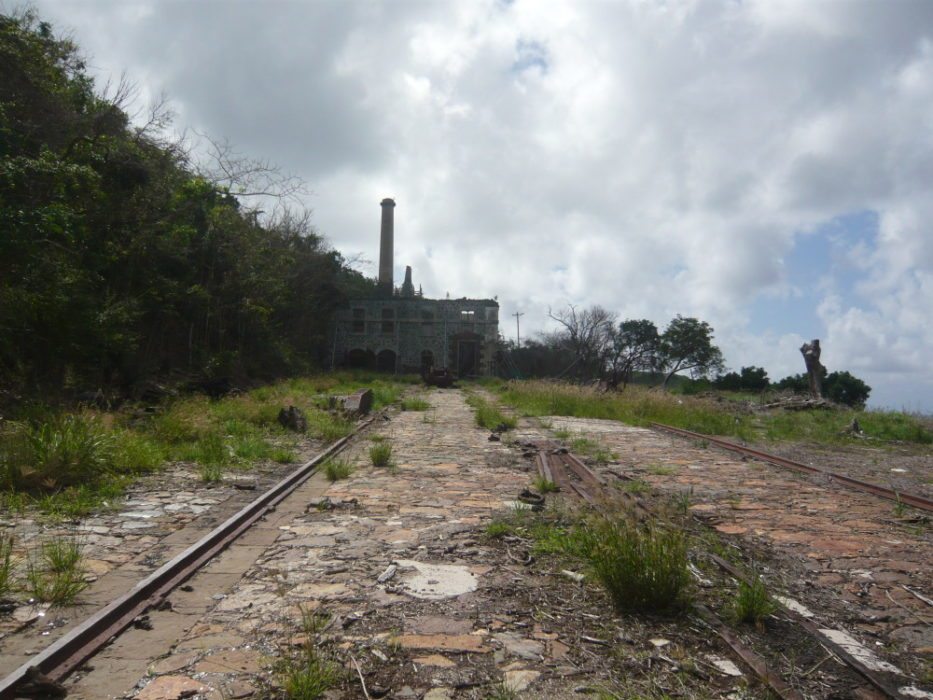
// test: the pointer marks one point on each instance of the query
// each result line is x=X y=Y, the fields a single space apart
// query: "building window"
x=388 y=321
x=359 y=320
x=466 y=320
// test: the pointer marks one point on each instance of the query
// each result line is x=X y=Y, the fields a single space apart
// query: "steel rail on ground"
x=69 y=652
x=909 y=499
x=557 y=462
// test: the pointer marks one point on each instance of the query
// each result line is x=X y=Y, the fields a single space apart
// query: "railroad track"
x=64 y=656
x=571 y=475
x=914 y=500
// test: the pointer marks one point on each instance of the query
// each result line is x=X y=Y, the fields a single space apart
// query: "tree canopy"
x=121 y=260
x=687 y=346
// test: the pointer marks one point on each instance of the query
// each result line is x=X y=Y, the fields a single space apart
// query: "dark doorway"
x=361 y=359
x=385 y=361
x=467 y=358
x=427 y=360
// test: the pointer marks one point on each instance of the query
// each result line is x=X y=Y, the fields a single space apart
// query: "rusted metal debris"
x=898 y=496
x=440 y=377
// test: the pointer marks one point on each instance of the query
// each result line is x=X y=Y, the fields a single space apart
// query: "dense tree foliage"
x=687 y=346
x=634 y=346
x=118 y=262
x=747 y=379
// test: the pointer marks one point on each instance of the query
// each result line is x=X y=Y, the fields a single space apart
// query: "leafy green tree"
x=847 y=389
x=731 y=381
x=633 y=346
x=687 y=345
x=754 y=379
x=119 y=262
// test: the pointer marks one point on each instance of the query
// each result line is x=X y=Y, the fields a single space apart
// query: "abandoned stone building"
x=399 y=330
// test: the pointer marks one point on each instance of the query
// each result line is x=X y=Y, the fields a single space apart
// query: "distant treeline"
x=591 y=346
x=121 y=260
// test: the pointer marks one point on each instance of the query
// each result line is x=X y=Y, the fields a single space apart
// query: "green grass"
x=415 y=404
x=752 y=604
x=380 y=454
x=54 y=573
x=68 y=465
x=336 y=469
x=636 y=487
x=211 y=473
x=488 y=416
x=6 y=565
x=639 y=406
x=642 y=565
x=592 y=449
x=543 y=485
x=498 y=529
x=309 y=673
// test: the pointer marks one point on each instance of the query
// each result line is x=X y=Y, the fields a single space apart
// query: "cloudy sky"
x=766 y=166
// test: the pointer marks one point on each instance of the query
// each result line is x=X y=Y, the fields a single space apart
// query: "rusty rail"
x=555 y=462
x=69 y=652
x=914 y=500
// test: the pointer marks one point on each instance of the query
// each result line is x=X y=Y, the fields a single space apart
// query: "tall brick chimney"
x=386 y=252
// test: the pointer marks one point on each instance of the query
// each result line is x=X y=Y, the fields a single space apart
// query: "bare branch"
x=247 y=177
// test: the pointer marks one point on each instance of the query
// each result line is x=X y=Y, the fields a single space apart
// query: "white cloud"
x=656 y=158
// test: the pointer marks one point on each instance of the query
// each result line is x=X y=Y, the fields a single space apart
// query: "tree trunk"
x=811 y=356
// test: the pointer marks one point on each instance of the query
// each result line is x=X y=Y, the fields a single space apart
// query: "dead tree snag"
x=815 y=371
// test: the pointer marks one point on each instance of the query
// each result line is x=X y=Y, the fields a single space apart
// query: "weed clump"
x=498 y=529
x=336 y=469
x=415 y=404
x=488 y=416
x=752 y=603
x=642 y=565
x=309 y=673
x=54 y=574
x=6 y=565
x=544 y=485
x=380 y=454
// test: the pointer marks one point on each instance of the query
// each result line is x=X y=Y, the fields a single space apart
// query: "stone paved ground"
x=455 y=615
x=846 y=554
x=162 y=514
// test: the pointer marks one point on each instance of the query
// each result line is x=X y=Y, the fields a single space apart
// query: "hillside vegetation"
x=119 y=262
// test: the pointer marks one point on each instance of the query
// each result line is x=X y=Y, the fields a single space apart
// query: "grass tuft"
x=6 y=565
x=498 y=529
x=752 y=603
x=488 y=416
x=642 y=565
x=54 y=574
x=415 y=404
x=336 y=469
x=380 y=454
x=310 y=673
x=543 y=485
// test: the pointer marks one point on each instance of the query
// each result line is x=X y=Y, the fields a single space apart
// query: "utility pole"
x=518 y=331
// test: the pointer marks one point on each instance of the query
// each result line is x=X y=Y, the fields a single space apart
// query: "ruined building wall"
x=407 y=334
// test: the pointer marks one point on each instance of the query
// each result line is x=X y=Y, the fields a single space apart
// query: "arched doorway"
x=361 y=359
x=385 y=361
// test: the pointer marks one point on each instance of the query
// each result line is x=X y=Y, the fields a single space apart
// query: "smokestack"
x=408 y=289
x=386 y=247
